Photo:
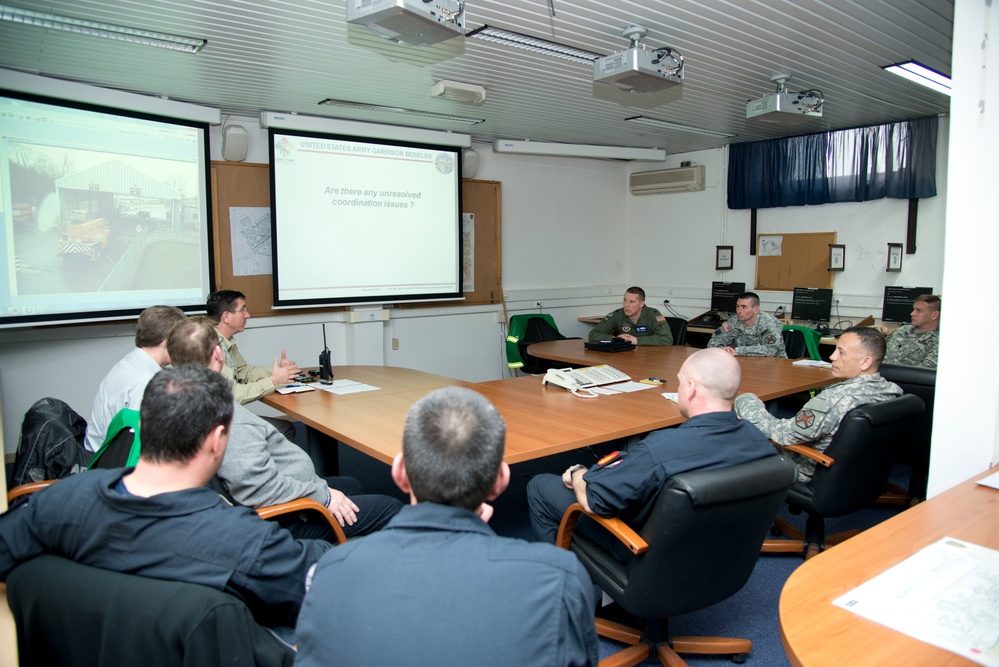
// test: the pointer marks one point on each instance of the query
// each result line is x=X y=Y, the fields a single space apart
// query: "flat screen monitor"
x=811 y=303
x=897 y=304
x=357 y=221
x=102 y=212
x=724 y=296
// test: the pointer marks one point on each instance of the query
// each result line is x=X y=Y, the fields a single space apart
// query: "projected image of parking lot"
x=89 y=221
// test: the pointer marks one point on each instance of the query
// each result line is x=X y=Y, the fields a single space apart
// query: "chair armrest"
x=619 y=529
x=808 y=452
x=304 y=504
x=30 y=487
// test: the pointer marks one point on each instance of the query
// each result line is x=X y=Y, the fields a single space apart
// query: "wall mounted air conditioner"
x=663 y=181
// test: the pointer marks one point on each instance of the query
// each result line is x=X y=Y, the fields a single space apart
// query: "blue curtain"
x=895 y=160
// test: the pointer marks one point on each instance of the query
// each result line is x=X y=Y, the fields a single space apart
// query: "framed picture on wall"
x=894 y=257
x=723 y=257
x=837 y=257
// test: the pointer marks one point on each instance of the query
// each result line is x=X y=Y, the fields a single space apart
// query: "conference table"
x=816 y=633
x=541 y=420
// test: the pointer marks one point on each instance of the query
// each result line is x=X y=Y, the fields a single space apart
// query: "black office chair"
x=678 y=327
x=536 y=329
x=849 y=476
x=915 y=452
x=72 y=614
x=698 y=547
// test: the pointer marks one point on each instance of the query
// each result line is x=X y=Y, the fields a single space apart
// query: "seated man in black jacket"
x=158 y=519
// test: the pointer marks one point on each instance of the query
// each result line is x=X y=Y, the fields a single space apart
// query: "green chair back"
x=518 y=325
x=812 y=338
x=115 y=441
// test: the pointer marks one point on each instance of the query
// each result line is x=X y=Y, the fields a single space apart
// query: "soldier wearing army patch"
x=916 y=344
x=750 y=333
x=858 y=355
x=634 y=322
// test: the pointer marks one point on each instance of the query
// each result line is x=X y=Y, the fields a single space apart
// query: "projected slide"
x=357 y=222
x=103 y=214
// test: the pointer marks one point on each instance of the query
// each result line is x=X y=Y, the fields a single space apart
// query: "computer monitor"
x=897 y=304
x=811 y=303
x=724 y=296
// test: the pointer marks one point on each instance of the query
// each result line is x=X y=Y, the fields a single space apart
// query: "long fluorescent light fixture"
x=293 y=121
x=108 y=97
x=535 y=44
x=400 y=110
x=578 y=150
x=922 y=75
x=97 y=29
x=676 y=127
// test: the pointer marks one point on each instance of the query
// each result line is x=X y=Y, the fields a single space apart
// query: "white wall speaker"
x=234 y=140
x=469 y=163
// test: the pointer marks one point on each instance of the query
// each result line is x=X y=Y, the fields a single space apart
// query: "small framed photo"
x=894 y=257
x=837 y=257
x=723 y=257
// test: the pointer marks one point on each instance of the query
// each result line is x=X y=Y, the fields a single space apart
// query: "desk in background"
x=816 y=633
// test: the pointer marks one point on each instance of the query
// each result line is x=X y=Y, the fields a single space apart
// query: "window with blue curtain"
x=894 y=160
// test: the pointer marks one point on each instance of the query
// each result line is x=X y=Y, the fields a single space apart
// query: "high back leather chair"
x=525 y=330
x=915 y=452
x=122 y=445
x=801 y=342
x=71 y=614
x=850 y=475
x=698 y=547
x=678 y=327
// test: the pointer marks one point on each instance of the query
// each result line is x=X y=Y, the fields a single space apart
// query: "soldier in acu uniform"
x=750 y=333
x=916 y=344
x=858 y=355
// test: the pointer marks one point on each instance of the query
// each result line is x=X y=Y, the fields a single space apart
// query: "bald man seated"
x=626 y=484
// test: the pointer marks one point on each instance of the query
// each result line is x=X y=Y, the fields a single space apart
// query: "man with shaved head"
x=627 y=484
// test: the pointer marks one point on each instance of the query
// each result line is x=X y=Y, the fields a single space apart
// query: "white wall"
x=672 y=240
x=966 y=419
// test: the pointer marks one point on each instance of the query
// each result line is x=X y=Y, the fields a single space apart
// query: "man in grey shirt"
x=261 y=467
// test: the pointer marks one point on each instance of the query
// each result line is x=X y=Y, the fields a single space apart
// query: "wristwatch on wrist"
x=573 y=469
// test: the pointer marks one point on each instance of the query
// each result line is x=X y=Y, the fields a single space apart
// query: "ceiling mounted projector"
x=411 y=22
x=458 y=91
x=638 y=69
x=784 y=106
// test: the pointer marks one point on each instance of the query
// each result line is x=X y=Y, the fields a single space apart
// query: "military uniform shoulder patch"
x=610 y=458
x=660 y=318
x=770 y=340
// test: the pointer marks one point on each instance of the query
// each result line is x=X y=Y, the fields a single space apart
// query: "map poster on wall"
x=250 y=231
x=468 y=252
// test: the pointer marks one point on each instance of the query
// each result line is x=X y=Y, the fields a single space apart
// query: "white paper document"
x=347 y=387
x=621 y=388
x=812 y=362
x=946 y=594
x=294 y=389
x=991 y=481
x=671 y=396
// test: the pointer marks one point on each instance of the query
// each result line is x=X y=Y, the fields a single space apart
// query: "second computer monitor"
x=897 y=304
x=811 y=303
x=724 y=296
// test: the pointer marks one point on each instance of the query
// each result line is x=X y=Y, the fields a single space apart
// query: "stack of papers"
x=812 y=362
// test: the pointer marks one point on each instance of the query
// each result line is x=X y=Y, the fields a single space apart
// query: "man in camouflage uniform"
x=750 y=333
x=858 y=354
x=634 y=322
x=916 y=344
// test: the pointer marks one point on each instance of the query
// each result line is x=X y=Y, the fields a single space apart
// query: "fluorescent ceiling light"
x=535 y=44
x=665 y=125
x=97 y=29
x=108 y=97
x=922 y=75
x=293 y=121
x=400 y=110
x=578 y=150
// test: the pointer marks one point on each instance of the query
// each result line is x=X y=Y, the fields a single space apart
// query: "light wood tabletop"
x=541 y=420
x=816 y=633
x=766 y=377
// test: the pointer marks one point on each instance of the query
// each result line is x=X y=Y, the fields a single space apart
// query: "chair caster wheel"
x=739 y=658
x=775 y=531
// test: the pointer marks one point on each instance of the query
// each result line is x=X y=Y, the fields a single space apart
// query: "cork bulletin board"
x=786 y=261
x=236 y=184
